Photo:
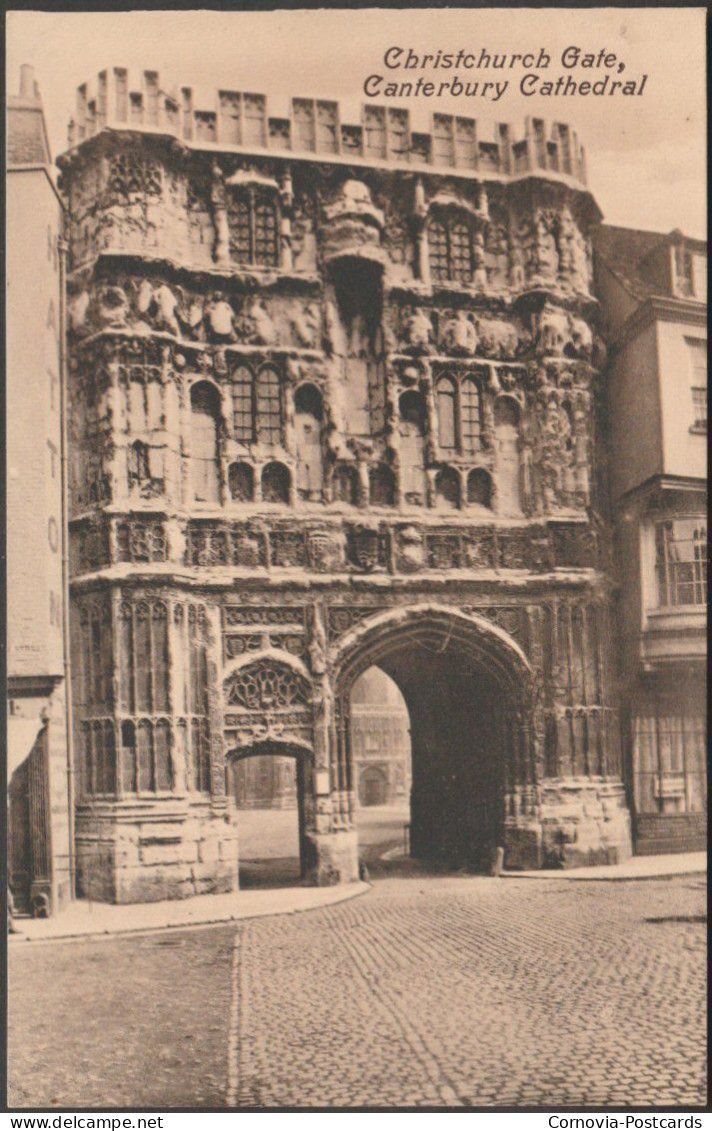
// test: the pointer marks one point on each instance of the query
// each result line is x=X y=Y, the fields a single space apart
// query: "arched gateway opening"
x=468 y=691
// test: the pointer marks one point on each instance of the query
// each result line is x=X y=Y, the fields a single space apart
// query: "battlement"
x=239 y=120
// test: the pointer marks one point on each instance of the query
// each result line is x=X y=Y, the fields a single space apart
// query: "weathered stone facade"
x=333 y=402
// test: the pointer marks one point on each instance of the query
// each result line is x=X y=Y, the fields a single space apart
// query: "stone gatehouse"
x=333 y=402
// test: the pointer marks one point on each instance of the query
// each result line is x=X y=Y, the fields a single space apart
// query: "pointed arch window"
x=447 y=488
x=459 y=413
x=241 y=482
x=382 y=484
x=276 y=483
x=257 y=405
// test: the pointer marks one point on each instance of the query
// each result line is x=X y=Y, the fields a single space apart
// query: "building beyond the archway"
x=333 y=403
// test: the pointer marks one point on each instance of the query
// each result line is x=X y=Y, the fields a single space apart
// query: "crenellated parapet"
x=313 y=126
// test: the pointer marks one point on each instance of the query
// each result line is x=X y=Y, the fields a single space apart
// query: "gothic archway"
x=469 y=691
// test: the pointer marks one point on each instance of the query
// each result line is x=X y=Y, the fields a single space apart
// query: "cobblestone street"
x=426 y=991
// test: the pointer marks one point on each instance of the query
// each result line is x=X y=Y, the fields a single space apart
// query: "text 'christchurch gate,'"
x=333 y=403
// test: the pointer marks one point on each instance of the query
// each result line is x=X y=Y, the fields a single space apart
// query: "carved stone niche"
x=366 y=547
x=415 y=331
x=526 y=549
x=410 y=549
x=574 y=547
x=353 y=225
x=325 y=548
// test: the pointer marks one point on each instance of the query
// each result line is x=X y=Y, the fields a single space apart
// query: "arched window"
x=479 y=488
x=205 y=416
x=450 y=248
x=471 y=415
x=254 y=230
x=382 y=486
x=242 y=405
x=447 y=488
x=275 y=483
x=308 y=416
x=241 y=482
x=138 y=463
x=412 y=409
x=269 y=409
x=447 y=426
x=345 y=484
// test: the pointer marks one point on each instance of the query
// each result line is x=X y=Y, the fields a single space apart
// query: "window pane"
x=460 y=252
x=699 y=404
x=239 y=224
x=471 y=422
x=242 y=405
x=437 y=242
x=269 y=417
x=266 y=244
x=681 y=562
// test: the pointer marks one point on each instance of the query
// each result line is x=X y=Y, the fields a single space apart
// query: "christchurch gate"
x=333 y=404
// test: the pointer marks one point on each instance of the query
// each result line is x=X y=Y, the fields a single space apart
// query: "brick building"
x=653 y=293
x=333 y=403
x=39 y=790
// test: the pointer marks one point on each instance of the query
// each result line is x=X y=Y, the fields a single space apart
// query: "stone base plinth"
x=129 y=853
x=584 y=821
x=331 y=858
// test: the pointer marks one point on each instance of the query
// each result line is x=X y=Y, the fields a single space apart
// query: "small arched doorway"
x=267 y=783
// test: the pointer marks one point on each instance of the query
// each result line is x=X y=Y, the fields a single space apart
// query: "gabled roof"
x=626 y=250
x=26 y=133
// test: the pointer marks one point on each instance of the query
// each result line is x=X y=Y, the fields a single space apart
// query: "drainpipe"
x=62 y=248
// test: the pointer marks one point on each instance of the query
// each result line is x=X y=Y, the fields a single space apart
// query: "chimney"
x=28 y=88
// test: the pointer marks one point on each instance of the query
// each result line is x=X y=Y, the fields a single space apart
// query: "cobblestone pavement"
x=426 y=991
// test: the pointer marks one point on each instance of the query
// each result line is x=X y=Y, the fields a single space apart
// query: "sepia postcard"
x=356 y=449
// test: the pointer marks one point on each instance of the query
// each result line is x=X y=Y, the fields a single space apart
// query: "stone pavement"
x=82 y=918
x=426 y=991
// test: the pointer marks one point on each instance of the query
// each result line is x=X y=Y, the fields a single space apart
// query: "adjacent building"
x=653 y=293
x=39 y=764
